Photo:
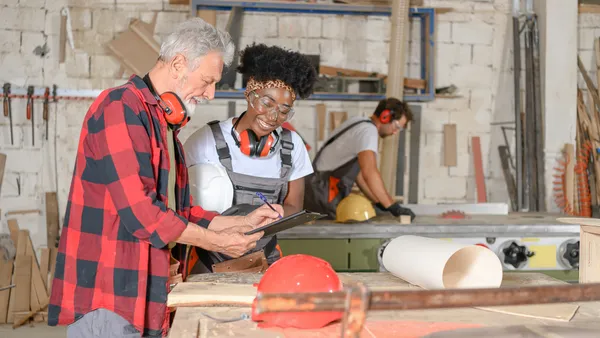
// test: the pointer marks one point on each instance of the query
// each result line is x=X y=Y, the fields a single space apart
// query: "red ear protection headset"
x=252 y=145
x=172 y=106
x=386 y=116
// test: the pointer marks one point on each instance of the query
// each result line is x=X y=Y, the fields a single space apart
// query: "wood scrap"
x=2 y=167
x=336 y=71
x=23 y=212
x=450 y=155
x=44 y=267
x=321 y=118
x=136 y=48
x=6 y=273
x=23 y=284
x=336 y=118
x=52 y=220
x=211 y=294
x=478 y=164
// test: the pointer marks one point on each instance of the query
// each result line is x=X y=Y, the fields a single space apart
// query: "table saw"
x=523 y=241
x=581 y=319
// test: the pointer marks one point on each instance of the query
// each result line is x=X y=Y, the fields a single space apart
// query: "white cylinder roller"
x=438 y=264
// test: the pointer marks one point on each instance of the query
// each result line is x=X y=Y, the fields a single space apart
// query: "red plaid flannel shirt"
x=113 y=251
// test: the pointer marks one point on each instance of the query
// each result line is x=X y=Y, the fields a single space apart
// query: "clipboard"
x=287 y=222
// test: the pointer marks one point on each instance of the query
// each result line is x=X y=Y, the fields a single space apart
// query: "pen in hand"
x=264 y=199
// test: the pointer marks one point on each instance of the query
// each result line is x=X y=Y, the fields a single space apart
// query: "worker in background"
x=350 y=156
x=258 y=155
x=129 y=200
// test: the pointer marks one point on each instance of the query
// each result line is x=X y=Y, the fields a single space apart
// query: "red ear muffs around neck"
x=253 y=146
x=386 y=116
x=174 y=108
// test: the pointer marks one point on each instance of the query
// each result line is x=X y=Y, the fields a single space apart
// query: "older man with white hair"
x=129 y=213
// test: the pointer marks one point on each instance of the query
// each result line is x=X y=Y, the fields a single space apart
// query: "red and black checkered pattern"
x=113 y=251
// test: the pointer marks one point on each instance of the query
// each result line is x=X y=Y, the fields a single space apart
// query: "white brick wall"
x=472 y=49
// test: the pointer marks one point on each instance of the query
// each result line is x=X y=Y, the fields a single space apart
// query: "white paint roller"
x=438 y=264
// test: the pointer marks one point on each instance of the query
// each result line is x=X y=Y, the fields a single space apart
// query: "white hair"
x=194 y=38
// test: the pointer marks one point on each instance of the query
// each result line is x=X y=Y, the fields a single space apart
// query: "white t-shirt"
x=200 y=148
x=361 y=137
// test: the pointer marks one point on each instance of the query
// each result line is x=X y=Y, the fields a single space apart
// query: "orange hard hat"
x=293 y=274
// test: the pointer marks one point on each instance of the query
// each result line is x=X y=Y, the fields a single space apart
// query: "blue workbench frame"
x=426 y=15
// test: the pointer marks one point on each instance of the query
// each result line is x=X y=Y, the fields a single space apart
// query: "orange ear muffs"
x=174 y=108
x=251 y=145
x=386 y=116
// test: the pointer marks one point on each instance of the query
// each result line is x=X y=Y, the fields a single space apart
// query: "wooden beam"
x=395 y=88
x=478 y=164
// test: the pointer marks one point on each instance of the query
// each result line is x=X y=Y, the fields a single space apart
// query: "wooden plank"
x=13 y=227
x=478 y=163
x=211 y=294
x=22 y=283
x=450 y=155
x=570 y=174
x=6 y=273
x=37 y=284
x=336 y=71
x=44 y=266
x=208 y=16
x=53 y=252
x=336 y=118
x=321 y=118
x=24 y=250
x=2 y=166
x=52 y=220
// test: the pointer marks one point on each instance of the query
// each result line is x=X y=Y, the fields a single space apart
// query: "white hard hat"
x=211 y=187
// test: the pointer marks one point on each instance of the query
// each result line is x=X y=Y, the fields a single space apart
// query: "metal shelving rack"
x=426 y=16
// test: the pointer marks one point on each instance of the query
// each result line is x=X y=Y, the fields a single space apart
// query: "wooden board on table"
x=559 y=311
x=211 y=294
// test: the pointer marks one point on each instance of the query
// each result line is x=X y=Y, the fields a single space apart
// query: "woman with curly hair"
x=262 y=159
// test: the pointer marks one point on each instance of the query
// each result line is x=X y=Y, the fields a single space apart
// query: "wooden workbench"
x=191 y=321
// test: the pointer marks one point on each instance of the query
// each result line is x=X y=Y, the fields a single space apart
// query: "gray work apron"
x=245 y=188
x=325 y=189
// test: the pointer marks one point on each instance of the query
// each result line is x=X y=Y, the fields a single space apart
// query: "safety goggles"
x=266 y=105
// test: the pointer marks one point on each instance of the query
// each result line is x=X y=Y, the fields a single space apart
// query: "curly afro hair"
x=265 y=63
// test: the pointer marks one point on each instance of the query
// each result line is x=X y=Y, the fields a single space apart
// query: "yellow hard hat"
x=354 y=207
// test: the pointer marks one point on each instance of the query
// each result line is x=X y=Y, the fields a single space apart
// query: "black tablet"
x=287 y=222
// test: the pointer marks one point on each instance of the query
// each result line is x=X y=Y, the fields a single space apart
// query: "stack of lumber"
x=28 y=299
x=579 y=176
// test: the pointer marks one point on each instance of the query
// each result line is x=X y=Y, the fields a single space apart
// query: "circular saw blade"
x=453 y=214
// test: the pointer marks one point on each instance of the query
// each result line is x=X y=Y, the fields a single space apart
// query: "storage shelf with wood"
x=425 y=15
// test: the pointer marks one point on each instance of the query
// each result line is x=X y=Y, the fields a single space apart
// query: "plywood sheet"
x=211 y=294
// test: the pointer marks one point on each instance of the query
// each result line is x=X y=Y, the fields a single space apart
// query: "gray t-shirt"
x=361 y=137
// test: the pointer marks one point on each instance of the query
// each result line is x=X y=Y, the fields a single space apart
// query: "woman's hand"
x=263 y=216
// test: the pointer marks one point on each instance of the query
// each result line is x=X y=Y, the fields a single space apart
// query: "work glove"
x=397 y=210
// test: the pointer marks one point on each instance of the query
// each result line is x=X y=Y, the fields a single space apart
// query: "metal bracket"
x=357 y=304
